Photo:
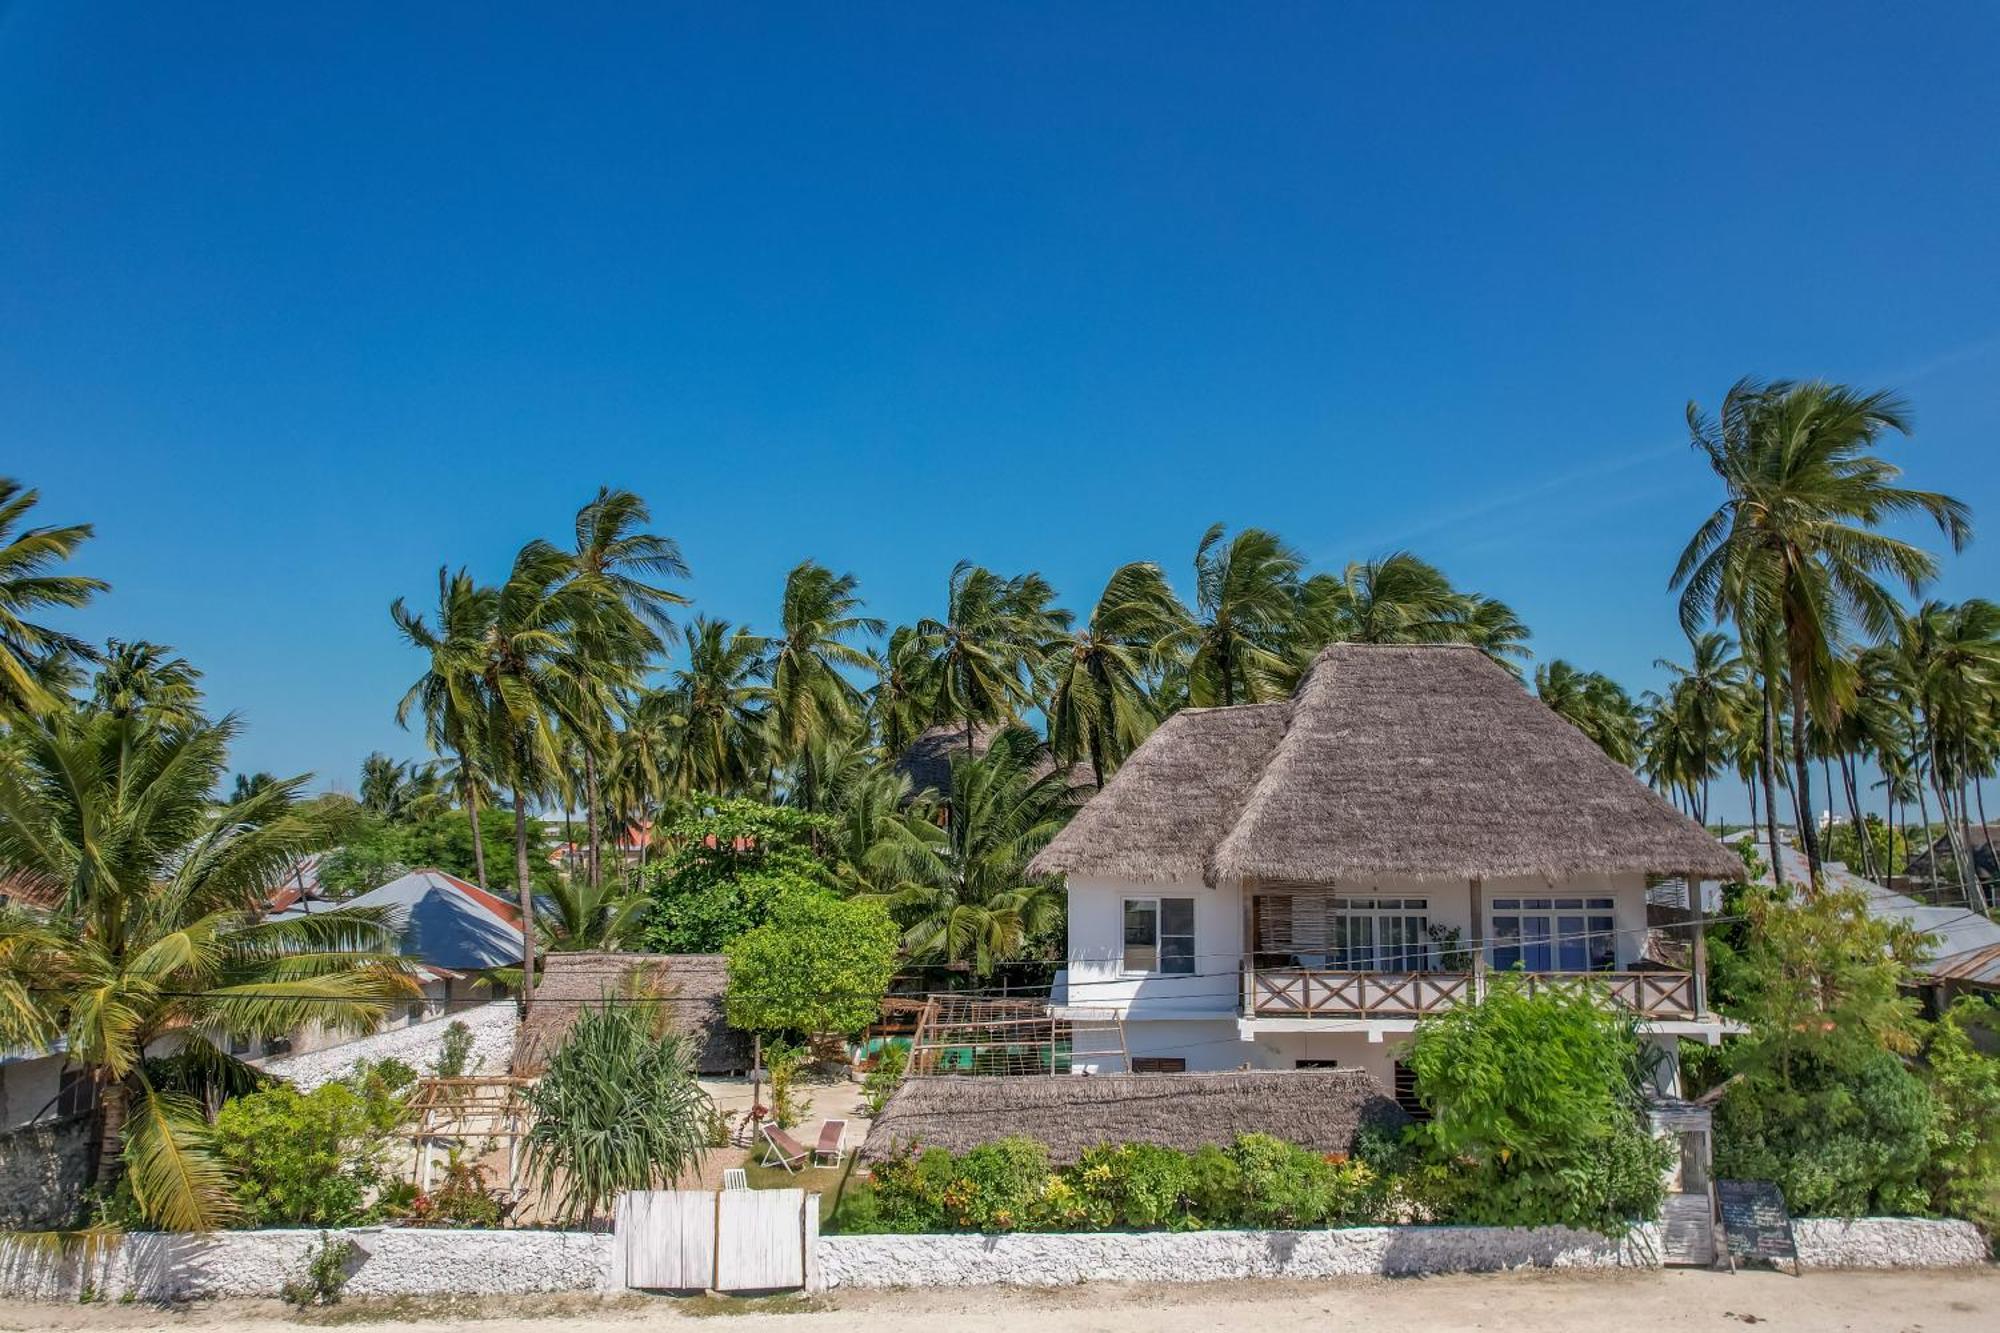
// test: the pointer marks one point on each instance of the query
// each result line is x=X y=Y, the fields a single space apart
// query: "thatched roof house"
x=691 y=986
x=1321 y=1109
x=1419 y=762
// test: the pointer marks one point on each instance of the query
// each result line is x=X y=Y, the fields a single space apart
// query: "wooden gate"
x=717 y=1240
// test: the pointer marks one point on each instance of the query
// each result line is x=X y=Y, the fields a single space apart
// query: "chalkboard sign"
x=1755 y=1221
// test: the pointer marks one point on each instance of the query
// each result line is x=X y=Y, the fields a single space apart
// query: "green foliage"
x=1257 y=1181
x=618 y=1109
x=454 y=1050
x=783 y=1059
x=383 y=849
x=733 y=861
x=1842 y=1140
x=1964 y=1083
x=1535 y=1102
x=1891 y=849
x=312 y=1158
x=461 y=1199
x=326 y=1273
x=881 y=1082
x=818 y=965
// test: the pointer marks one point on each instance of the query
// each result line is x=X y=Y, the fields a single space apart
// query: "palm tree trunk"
x=1767 y=766
x=112 y=1098
x=1802 y=773
x=590 y=797
x=478 y=840
x=1853 y=812
x=1923 y=813
x=524 y=885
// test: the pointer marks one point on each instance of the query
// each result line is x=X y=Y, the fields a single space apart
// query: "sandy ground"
x=1547 y=1302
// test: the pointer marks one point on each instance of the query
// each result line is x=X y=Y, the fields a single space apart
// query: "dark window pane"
x=1177 y=916
x=1177 y=953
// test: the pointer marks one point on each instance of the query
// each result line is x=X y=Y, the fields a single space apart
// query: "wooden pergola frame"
x=468 y=1108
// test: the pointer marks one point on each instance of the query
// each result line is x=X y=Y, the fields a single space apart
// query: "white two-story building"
x=1297 y=884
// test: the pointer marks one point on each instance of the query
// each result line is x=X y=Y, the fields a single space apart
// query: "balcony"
x=1297 y=992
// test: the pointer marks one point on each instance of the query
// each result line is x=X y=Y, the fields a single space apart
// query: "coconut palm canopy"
x=1424 y=762
x=1321 y=1109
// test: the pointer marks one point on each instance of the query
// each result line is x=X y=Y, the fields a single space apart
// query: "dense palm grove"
x=736 y=760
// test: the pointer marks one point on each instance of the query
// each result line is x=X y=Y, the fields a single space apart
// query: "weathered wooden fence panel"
x=760 y=1240
x=727 y=1240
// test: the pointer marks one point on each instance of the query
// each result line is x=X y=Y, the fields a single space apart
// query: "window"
x=76 y=1093
x=1158 y=1064
x=1555 y=934
x=1380 y=935
x=1159 y=935
x=1315 y=1064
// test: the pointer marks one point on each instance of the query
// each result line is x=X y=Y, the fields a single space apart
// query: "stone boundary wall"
x=421 y=1262
x=1888 y=1242
x=1217 y=1256
x=43 y=1171
x=418 y=1046
x=395 y=1261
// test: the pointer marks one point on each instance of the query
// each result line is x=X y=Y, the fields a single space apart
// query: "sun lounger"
x=781 y=1149
x=832 y=1145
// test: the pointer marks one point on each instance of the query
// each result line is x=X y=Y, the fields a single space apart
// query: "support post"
x=1698 y=952
x=1478 y=888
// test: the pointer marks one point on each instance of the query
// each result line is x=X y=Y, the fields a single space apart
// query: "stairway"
x=1688 y=1230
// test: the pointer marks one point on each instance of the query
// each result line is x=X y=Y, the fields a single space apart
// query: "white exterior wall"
x=1195 y=1018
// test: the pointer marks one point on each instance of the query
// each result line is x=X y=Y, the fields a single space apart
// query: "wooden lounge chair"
x=832 y=1145
x=735 y=1178
x=781 y=1149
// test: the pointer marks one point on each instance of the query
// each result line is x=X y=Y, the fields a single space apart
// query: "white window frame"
x=1551 y=910
x=1418 y=954
x=1160 y=935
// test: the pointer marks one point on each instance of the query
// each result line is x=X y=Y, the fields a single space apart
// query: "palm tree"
x=1704 y=698
x=1950 y=658
x=903 y=700
x=1594 y=704
x=1099 y=702
x=1247 y=595
x=158 y=932
x=1396 y=599
x=995 y=635
x=141 y=677
x=614 y=552
x=29 y=582
x=811 y=698
x=1490 y=625
x=719 y=701
x=1793 y=555
x=581 y=916
x=523 y=658
x=451 y=694
x=967 y=896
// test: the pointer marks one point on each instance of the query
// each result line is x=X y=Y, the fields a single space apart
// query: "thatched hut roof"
x=691 y=986
x=1419 y=762
x=926 y=760
x=1321 y=1109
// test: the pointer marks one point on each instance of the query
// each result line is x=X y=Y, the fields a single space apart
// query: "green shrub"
x=881 y=1082
x=326 y=1273
x=454 y=1050
x=1215 y=1184
x=1965 y=1139
x=308 y=1159
x=998 y=1185
x=1536 y=1105
x=1137 y=1185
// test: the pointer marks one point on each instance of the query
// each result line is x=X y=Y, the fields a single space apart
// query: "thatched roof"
x=1319 y=1109
x=1420 y=762
x=691 y=983
x=926 y=760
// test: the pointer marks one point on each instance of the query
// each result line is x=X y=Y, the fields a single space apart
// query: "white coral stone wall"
x=418 y=1046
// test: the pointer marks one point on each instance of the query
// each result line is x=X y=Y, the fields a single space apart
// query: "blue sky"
x=297 y=304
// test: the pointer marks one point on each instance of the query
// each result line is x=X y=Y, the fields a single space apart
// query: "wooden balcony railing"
x=1311 y=993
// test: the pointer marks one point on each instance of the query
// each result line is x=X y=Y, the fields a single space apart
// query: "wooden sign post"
x=1755 y=1223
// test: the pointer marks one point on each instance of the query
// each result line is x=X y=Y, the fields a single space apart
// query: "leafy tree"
x=31 y=582
x=1536 y=1101
x=308 y=1158
x=1964 y=1083
x=617 y=1109
x=818 y=966
x=157 y=931
x=731 y=863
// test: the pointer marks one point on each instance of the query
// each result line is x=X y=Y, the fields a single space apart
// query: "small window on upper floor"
x=1159 y=936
